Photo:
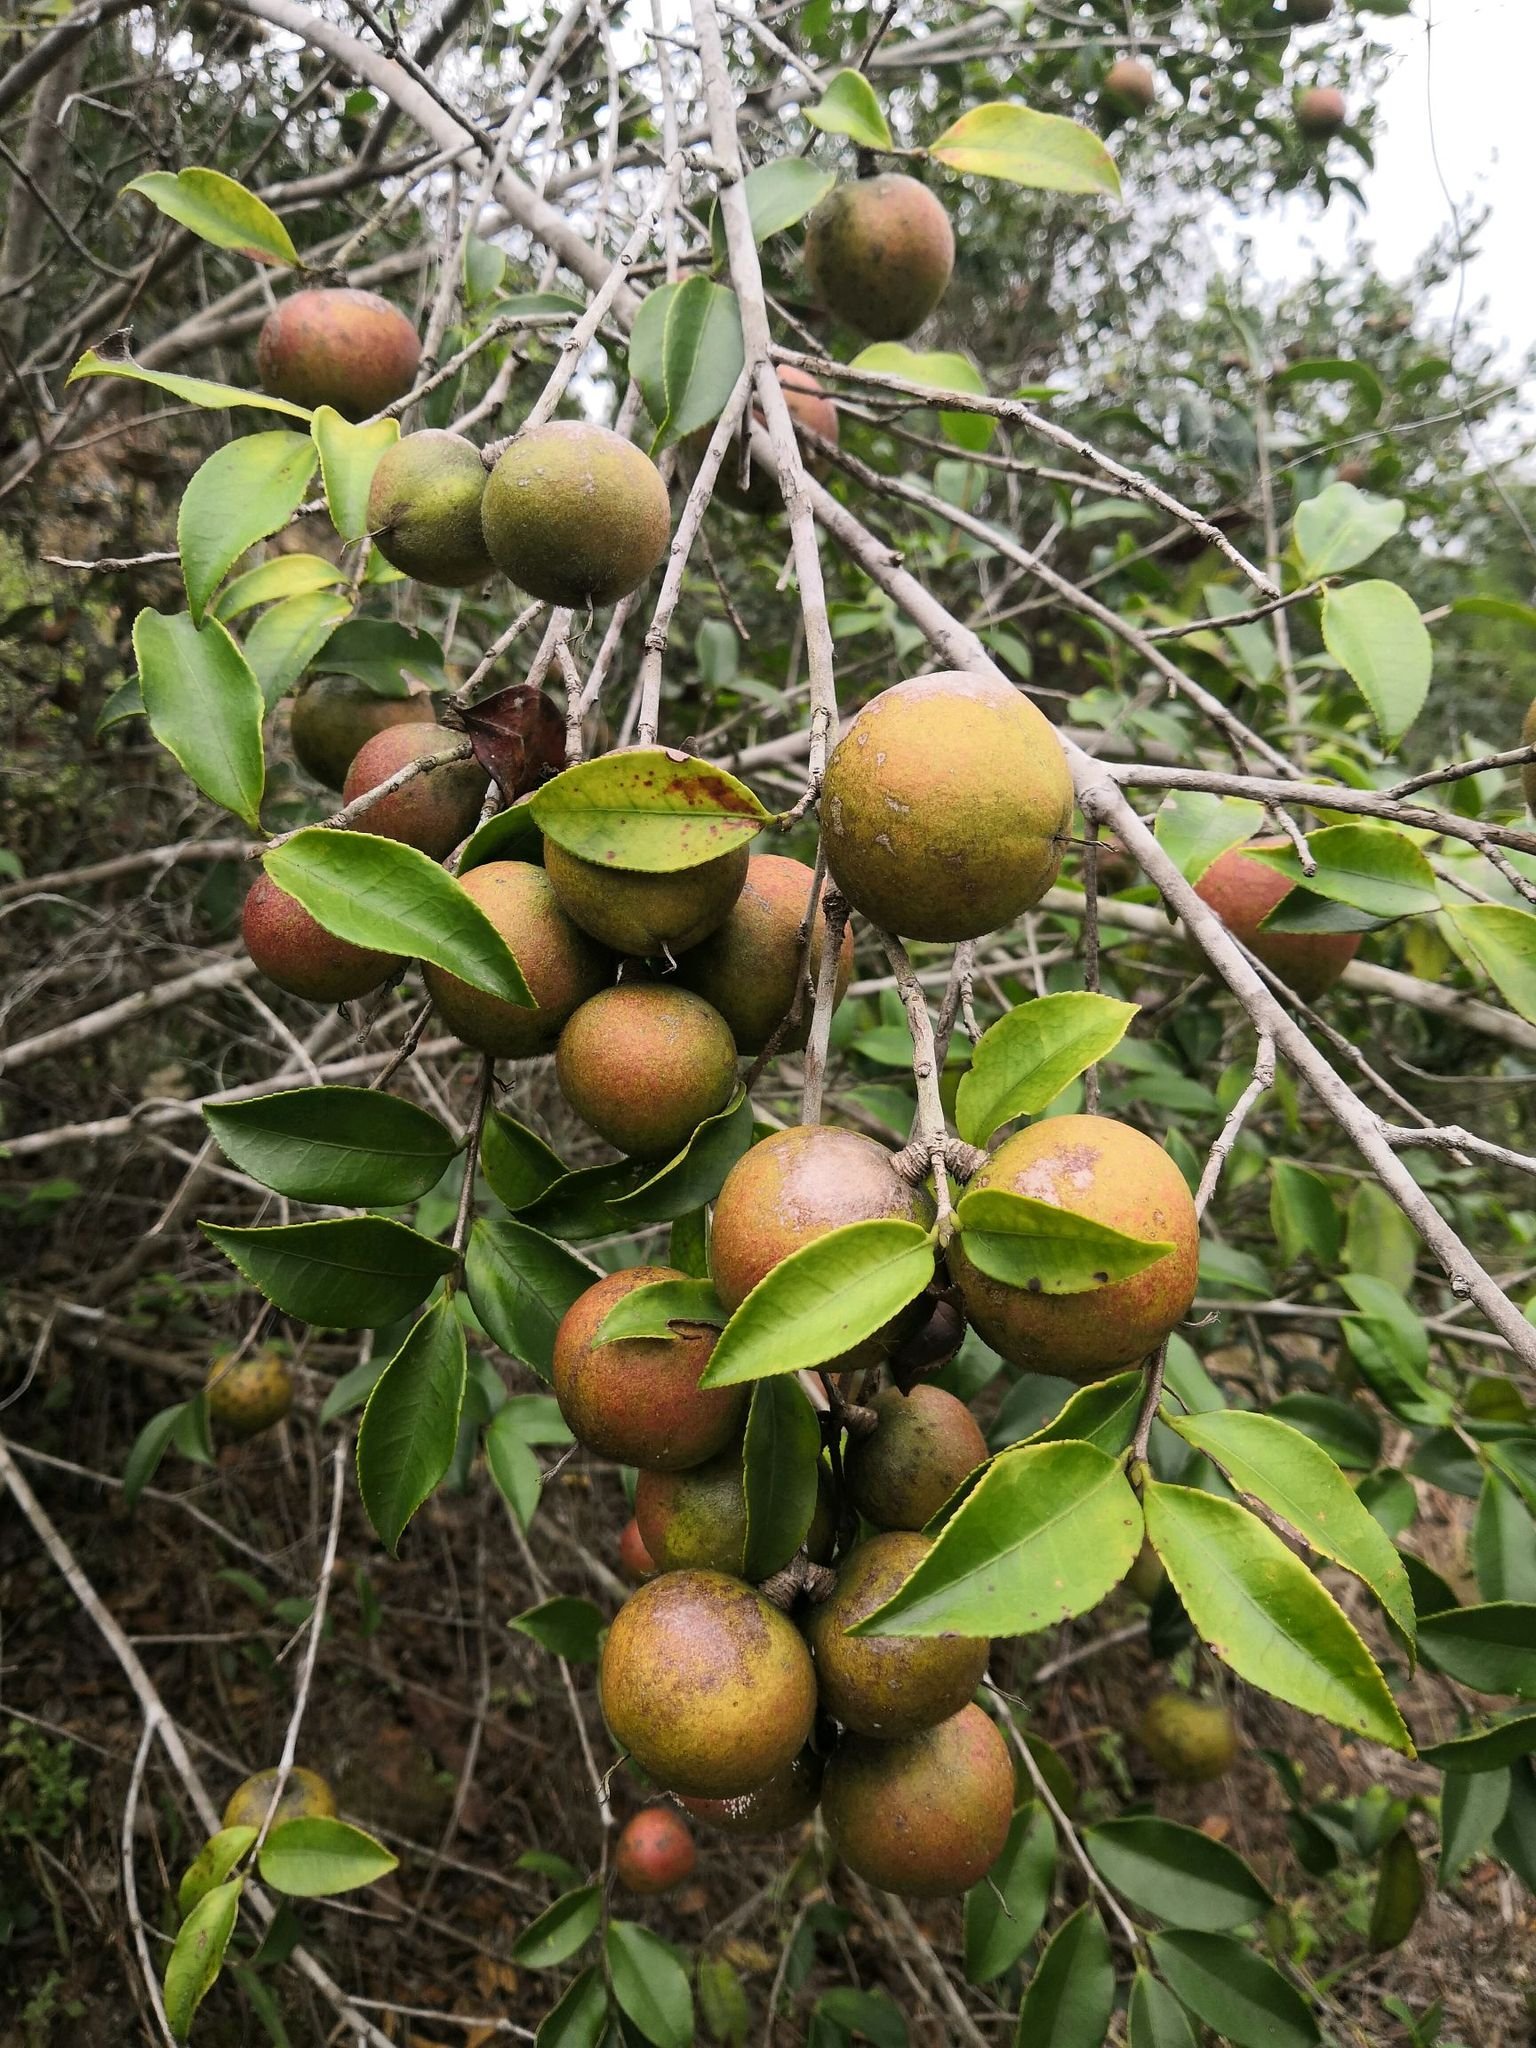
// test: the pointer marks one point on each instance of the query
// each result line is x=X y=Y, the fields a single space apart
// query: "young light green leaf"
x=149 y=1447
x=317 y=1857
x=822 y=1300
x=781 y=1461
x=1071 y=1996
x=1176 y=1873
x=565 y=1626
x=1263 y=1613
x=1371 y=868
x=1046 y=1250
x=284 y=576
x=1005 y=1912
x=411 y=1423
x=521 y=1283
x=219 y=210
x=204 y=707
x=1022 y=1062
x=652 y=1310
x=1491 y=1648
x=1234 y=1990
x=1154 y=2017
x=348 y=457
x=1195 y=828
x=282 y=643
x=1375 y=631
x=650 y=1985
x=1341 y=527
x=1502 y=939
x=352 y=1147
x=560 y=1930
x=1046 y=152
x=244 y=491
x=212 y=1865
x=702 y=356
x=781 y=193
x=1103 y=1414
x=649 y=809
x=352 y=1273
x=198 y=1956
x=191 y=390
x=848 y=107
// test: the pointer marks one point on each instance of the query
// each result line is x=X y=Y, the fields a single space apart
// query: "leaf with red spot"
x=649 y=809
x=519 y=738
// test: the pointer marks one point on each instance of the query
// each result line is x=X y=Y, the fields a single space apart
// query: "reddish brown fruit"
x=635 y=1561
x=747 y=968
x=297 y=952
x=644 y=1064
x=424 y=509
x=1130 y=85
x=335 y=716
x=707 y=1686
x=249 y=1396
x=645 y=915
x=433 y=811
x=890 y=1686
x=1095 y=1167
x=1192 y=1741
x=809 y=407
x=926 y=1442
x=1321 y=113
x=638 y=1400
x=560 y=964
x=576 y=514
x=788 y=1799
x=1243 y=892
x=927 y=1816
x=306 y=1796
x=654 y=1852
x=347 y=349
x=879 y=253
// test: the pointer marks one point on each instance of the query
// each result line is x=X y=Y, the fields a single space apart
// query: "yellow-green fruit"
x=946 y=807
x=923 y=1445
x=642 y=914
x=888 y=1686
x=644 y=1064
x=1094 y=1167
x=697 y=1520
x=1144 y=1580
x=707 y=1686
x=250 y=1395
x=1528 y=772
x=747 y=968
x=1190 y=1740
x=296 y=951
x=879 y=254
x=334 y=717
x=926 y=1816
x=560 y=964
x=575 y=514
x=306 y=1796
x=424 y=509
x=785 y=1801
x=434 y=810
x=335 y=346
x=1130 y=85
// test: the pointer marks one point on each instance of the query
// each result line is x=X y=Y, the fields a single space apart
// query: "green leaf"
x=484 y=268
x=1046 y=152
x=1491 y=1648
x=1502 y=939
x=867 y=2015
x=1504 y=1741
x=283 y=642
x=1021 y=1063
x=379 y=893
x=1391 y=1347
x=1252 y=643
x=1234 y=1990
x=1046 y=1250
x=1375 y=631
x=353 y=1388
x=1341 y=526
x=383 y=654
x=126 y=701
x=1195 y=828
x=196 y=1959
x=1503 y=1543
x=521 y=1283
x=1044 y=1534
x=149 y=1447
x=783 y=192
x=1399 y=1894
x=822 y=1300
x=284 y=576
x=849 y=107
x=1369 y=867
x=318 y=1857
x=1005 y=1912
x=219 y=210
x=1514 y=1839
x=1336 y=370
x=351 y=1147
x=350 y=1273
x=1349 y=1434
x=648 y=809
x=1472 y=1804
x=560 y=1930
x=212 y=1865
x=518 y=1475
x=1103 y=1414
x=702 y=356
x=1071 y=1996
x=1176 y=1873
x=1303 y=1214
x=1266 y=1458
x=191 y=390
x=509 y=835
x=204 y=707
x=580 y=2017
x=565 y=1626
x=781 y=1459
x=940 y=370
x=695 y=1175
x=348 y=457
x=650 y=1311
x=650 y=1984
x=1263 y=1613
x=411 y=1423
x=515 y=1161
x=1154 y=2017
x=243 y=492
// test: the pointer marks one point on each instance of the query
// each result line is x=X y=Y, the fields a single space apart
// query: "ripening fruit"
x=927 y=1816
x=946 y=806
x=297 y=952
x=747 y=967
x=338 y=347
x=334 y=716
x=1095 y=1167
x=878 y=254
x=788 y=1798
x=925 y=1443
x=1189 y=1740
x=1144 y=1580
x=576 y=514
x=708 y=1686
x=646 y=915
x=424 y=509
x=1308 y=13
x=635 y=1561
x=1321 y=112
x=888 y=1686
x=697 y=1520
x=306 y=1796
x=1243 y=892
x=1130 y=85
x=654 y=1852
x=433 y=811
x=249 y=1395
x=644 y=1064
x=1528 y=772
x=560 y=964
x=638 y=1399
x=809 y=406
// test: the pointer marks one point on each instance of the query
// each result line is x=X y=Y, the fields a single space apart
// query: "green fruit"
x=707 y=1686
x=654 y=1852
x=946 y=807
x=424 y=509
x=924 y=1444
x=249 y=1396
x=1189 y=1740
x=927 y=1816
x=300 y=955
x=334 y=716
x=560 y=964
x=638 y=1399
x=1243 y=892
x=697 y=1520
x=432 y=811
x=306 y=1796
x=646 y=915
x=1090 y=1166
x=748 y=966
x=347 y=349
x=787 y=1799
x=575 y=514
x=890 y=1686
x=878 y=254
x=644 y=1064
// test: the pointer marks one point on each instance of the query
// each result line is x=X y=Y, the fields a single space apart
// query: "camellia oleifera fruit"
x=1243 y=892
x=946 y=807
x=708 y=1686
x=649 y=916
x=697 y=1520
x=306 y=1796
x=1321 y=112
x=562 y=967
x=654 y=1852
x=1189 y=1740
x=747 y=967
x=348 y=349
x=926 y=1816
x=334 y=717
x=1130 y=85
x=890 y=1686
x=644 y=1063
x=433 y=811
x=879 y=253
x=809 y=407
x=785 y=1800
x=635 y=1561
x=296 y=951
x=248 y=1395
x=424 y=509
x=1095 y=1167
x=924 y=1443
x=575 y=514
x=638 y=1399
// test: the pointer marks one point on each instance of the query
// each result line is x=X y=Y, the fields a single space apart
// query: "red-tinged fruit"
x=654 y=1852
x=748 y=966
x=923 y=1445
x=644 y=1063
x=787 y=1800
x=1321 y=112
x=433 y=811
x=887 y=1686
x=575 y=514
x=927 y=1816
x=424 y=509
x=348 y=349
x=296 y=951
x=306 y=1796
x=562 y=967
x=635 y=1560
x=335 y=716
x=809 y=407
x=248 y=1395
x=1243 y=892
x=879 y=253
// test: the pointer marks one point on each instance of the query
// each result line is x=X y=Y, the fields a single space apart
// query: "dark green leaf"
x=1071 y=1996
x=383 y=654
x=1514 y=1839
x=650 y=1984
x=351 y=1147
x=781 y=1457
x=1005 y=1912
x=1472 y=1804
x=149 y=1447
x=521 y=1283
x=1399 y=1894
x=702 y=356
x=565 y=1626
x=1234 y=1990
x=866 y=2015
x=1303 y=1214
x=697 y=1173
x=1176 y=1873
x=1154 y=2017
x=1504 y=1544
x=411 y=1423
x=354 y=1273
x=560 y=1930
x=1486 y=1749
x=1349 y=1434
x=580 y=2018
x=516 y=1162
x=1492 y=1648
